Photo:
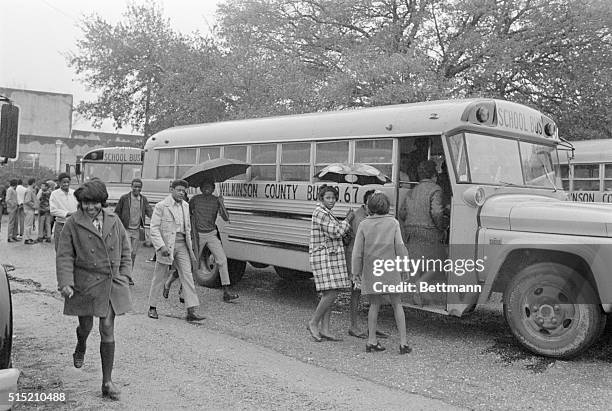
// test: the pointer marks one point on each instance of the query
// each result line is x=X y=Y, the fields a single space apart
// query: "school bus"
x=116 y=166
x=587 y=174
x=510 y=221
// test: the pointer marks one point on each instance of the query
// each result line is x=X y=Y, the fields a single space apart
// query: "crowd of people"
x=96 y=249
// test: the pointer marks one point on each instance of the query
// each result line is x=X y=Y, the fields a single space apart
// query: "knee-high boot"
x=107 y=355
x=79 y=352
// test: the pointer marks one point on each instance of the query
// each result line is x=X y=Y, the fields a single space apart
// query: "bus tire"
x=207 y=273
x=291 y=274
x=553 y=311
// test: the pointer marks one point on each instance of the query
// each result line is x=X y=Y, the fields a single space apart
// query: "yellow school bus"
x=116 y=166
x=587 y=174
x=508 y=212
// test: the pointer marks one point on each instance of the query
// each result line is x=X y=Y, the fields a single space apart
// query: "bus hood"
x=539 y=214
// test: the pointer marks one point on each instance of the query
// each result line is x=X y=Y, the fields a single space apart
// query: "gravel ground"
x=472 y=362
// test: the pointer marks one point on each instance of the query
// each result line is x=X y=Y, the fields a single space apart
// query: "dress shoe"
x=131 y=282
x=405 y=349
x=48 y=240
x=374 y=347
x=110 y=390
x=362 y=335
x=181 y=300
x=381 y=334
x=330 y=337
x=153 y=313
x=315 y=337
x=78 y=358
x=192 y=315
x=227 y=297
x=29 y=242
x=11 y=240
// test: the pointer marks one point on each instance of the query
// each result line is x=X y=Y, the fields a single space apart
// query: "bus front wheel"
x=207 y=274
x=290 y=274
x=553 y=311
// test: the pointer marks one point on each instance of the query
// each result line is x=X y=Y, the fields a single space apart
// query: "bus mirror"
x=474 y=196
x=9 y=131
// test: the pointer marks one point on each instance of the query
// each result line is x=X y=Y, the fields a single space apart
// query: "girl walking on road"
x=93 y=270
x=379 y=239
x=327 y=260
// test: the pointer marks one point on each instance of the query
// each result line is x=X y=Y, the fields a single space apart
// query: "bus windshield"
x=112 y=173
x=483 y=159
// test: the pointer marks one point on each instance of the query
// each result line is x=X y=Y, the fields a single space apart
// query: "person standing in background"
x=12 y=207
x=29 y=208
x=20 y=214
x=44 y=215
x=62 y=204
x=132 y=210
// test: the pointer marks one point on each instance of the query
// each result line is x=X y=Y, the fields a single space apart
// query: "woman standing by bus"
x=327 y=260
x=93 y=266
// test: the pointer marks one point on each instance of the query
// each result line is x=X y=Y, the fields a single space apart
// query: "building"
x=46 y=135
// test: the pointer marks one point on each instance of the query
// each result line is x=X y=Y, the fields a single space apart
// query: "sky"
x=35 y=36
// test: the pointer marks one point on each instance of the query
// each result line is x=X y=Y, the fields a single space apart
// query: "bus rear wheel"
x=207 y=274
x=290 y=274
x=553 y=311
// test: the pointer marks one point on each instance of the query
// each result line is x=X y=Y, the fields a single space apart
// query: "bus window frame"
x=309 y=163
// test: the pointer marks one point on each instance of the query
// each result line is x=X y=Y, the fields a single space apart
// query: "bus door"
x=413 y=151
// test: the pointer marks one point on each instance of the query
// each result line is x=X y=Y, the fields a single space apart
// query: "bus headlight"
x=474 y=196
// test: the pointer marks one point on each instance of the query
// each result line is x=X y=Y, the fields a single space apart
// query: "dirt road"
x=171 y=364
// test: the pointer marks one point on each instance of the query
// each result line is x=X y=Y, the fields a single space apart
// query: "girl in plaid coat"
x=327 y=260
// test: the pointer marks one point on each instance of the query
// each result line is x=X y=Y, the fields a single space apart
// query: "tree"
x=125 y=63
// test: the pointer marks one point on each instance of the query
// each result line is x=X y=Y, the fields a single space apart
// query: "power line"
x=70 y=16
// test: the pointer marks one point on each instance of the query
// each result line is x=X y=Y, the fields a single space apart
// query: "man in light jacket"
x=171 y=238
x=30 y=204
x=62 y=204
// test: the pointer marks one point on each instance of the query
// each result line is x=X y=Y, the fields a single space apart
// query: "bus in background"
x=115 y=166
x=588 y=175
x=511 y=229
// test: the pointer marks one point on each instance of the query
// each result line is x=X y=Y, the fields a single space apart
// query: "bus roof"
x=425 y=118
x=592 y=151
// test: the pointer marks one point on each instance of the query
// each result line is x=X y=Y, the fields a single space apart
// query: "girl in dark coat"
x=93 y=267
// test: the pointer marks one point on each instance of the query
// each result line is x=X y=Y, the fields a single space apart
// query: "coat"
x=123 y=209
x=96 y=266
x=11 y=199
x=164 y=225
x=379 y=237
x=327 y=258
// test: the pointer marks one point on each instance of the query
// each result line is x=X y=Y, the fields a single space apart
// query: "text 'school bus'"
x=511 y=228
x=588 y=175
x=115 y=166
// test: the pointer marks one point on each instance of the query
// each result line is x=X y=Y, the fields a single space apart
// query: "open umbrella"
x=217 y=170
x=361 y=174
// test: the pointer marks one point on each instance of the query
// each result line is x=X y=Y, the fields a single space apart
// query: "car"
x=8 y=375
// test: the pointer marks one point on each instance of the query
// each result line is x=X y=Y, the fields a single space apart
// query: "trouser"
x=20 y=219
x=134 y=234
x=12 y=224
x=216 y=249
x=29 y=232
x=44 y=225
x=56 y=233
x=182 y=262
